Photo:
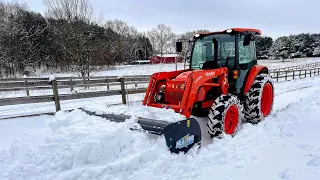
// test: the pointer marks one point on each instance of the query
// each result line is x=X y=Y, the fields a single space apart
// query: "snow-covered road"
x=78 y=146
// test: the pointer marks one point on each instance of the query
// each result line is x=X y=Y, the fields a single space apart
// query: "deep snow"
x=77 y=146
x=12 y=128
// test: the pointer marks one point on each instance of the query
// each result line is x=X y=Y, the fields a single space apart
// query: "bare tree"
x=162 y=39
x=118 y=26
x=77 y=36
x=185 y=37
x=70 y=10
x=128 y=40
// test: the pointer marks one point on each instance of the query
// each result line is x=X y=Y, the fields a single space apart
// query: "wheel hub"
x=266 y=99
x=231 y=119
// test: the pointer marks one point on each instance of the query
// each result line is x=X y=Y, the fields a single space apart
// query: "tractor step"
x=180 y=136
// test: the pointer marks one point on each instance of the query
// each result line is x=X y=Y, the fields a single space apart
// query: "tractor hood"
x=183 y=76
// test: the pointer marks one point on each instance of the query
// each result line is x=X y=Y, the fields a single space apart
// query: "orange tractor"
x=223 y=82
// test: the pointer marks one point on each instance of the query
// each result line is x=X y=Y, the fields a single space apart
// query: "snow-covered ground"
x=125 y=70
x=38 y=108
x=78 y=146
x=276 y=64
x=148 y=69
x=10 y=129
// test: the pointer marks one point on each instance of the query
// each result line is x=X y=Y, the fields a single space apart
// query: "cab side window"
x=246 y=53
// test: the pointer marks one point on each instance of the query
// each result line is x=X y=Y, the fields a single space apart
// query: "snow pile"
x=136 y=109
x=79 y=146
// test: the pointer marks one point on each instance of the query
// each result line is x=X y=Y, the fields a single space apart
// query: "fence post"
x=277 y=76
x=56 y=94
x=136 y=84
x=293 y=73
x=108 y=87
x=300 y=74
x=28 y=92
x=71 y=86
x=26 y=81
x=286 y=78
x=123 y=90
x=310 y=72
x=305 y=73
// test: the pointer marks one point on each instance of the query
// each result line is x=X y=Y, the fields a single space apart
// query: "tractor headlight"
x=229 y=31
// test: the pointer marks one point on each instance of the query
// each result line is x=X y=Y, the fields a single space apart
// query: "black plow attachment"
x=180 y=136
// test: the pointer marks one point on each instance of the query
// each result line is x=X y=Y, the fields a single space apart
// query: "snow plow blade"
x=180 y=136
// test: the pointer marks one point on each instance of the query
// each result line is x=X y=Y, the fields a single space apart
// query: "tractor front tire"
x=259 y=99
x=224 y=116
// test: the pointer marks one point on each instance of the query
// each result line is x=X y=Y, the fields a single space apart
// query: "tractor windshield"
x=219 y=48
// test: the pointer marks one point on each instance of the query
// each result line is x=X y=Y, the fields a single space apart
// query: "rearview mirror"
x=179 y=46
x=247 y=39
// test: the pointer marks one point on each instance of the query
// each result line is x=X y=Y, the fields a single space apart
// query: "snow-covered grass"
x=276 y=64
x=38 y=108
x=78 y=146
x=125 y=70
x=148 y=69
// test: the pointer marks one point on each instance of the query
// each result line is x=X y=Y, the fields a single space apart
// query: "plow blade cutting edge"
x=180 y=136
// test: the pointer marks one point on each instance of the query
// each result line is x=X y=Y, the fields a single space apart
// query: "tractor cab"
x=232 y=48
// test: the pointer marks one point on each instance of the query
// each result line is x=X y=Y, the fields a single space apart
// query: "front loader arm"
x=198 y=79
x=153 y=83
x=194 y=80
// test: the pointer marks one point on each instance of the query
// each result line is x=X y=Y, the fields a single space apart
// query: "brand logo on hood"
x=210 y=73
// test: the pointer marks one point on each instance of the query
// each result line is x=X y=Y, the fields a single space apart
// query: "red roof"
x=237 y=30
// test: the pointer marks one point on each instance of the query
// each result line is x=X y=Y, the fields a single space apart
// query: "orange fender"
x=252 y=75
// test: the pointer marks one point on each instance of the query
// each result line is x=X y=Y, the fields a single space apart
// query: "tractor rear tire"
x=224 y=116
x=259 y=99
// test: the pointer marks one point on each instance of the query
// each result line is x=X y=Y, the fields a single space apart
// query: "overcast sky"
x=273 y=17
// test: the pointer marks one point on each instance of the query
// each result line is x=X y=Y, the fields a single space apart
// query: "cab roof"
x=236 y=30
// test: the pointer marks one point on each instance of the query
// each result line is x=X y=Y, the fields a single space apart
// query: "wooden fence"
x=295 y=74
x=298 y=67
x=111 y=86
x=28 y=84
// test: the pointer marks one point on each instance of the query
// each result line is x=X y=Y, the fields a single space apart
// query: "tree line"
x=70 y=38
x=289 y=47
